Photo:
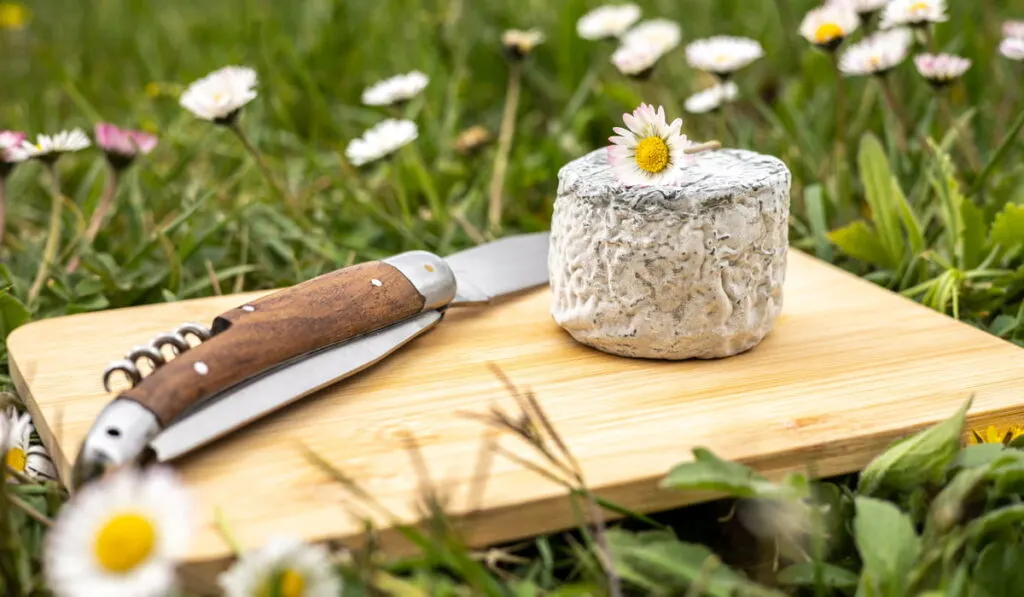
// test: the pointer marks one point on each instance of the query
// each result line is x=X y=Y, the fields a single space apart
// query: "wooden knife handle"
x=287 y=324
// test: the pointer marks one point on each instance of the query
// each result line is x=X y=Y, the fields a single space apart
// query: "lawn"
x=922 y=194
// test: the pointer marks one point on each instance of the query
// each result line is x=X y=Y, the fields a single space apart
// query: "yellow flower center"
x=288 y=582
x=827 y=32
x=124 y=542
x=875 y=61
x=16 y=459
x=13 y=16
x=918 y=7
x=652 y=154
x=219 y=96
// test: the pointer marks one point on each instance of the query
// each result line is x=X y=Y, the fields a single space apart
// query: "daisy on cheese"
x=650 y=150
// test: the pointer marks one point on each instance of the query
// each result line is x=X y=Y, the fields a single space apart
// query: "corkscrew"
x=154 y=352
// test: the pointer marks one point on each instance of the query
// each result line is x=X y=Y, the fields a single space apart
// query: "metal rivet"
x=376 y=282
x=201 y=368
x=248 y=308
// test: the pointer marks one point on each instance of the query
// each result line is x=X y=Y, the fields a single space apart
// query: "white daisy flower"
x=285 y=567
x=877 y=54
x=50 y=147
x=10 y=150
x=1013 y=29
x=383 y=139
x=662 y=35
x=723 y=55
x=915 y=13
x=635 y=60
x=1012 y=48
x=120 y=536
x=395 y=90
x=651 y=151
x=712 y=99
x=610 y=20
x=518 y=44
x=827 y=26
x=22 y=454
x=941 y=69
x=219 y=96
x=861 y=7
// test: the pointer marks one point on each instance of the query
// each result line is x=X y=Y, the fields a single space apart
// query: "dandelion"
x=120 y=536
x=48 y=148
x=861 y=7
x=913 y=13
x=286 y=567
x=650 y=150
x=996 y=435
x=220 y=96
x=472 y=139
x=380 y=141
x=22 y=454
x=712 y=99
x=662 y=35
x=723 y=55
x=941 y=69
x=395 y=90
x=1013 y=29
x=827 y=26
x=519 y=44
x=1012 y=48
x=636 y=60
x=608 y=21
x=14 y=16
x=877 y=54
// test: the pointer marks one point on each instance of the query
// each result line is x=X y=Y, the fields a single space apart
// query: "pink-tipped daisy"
x=1013 y=29
x=650 y=150
x=1012 y=48
x=122 y=146
x=10 y=150
x=941 y=69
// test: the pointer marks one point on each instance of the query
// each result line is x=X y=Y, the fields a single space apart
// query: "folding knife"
x=270 y=352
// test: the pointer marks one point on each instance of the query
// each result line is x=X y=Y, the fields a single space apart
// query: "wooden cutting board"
x=849 y=368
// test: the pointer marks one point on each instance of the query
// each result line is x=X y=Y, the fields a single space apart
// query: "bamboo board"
x=849 y=368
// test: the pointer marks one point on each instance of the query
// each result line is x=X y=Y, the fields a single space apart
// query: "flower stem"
x=508 y=126
x=963 y=135
x=3 y=206
x=98 y=216
x=897 y=111
x=52 y=234
x=260 y=163
x=839 y=154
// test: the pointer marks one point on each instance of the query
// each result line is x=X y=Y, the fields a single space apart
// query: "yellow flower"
x=996 y=435
x=14 y=16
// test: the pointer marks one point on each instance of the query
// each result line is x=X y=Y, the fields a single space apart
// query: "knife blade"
x=271 y=352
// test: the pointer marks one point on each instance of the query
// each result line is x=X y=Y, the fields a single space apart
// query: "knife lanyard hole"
x=113 y=432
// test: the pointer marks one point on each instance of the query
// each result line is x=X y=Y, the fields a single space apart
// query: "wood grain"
x=263 y=333
x=849 y=368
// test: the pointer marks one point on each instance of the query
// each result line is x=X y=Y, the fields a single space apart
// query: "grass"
x=197 y=217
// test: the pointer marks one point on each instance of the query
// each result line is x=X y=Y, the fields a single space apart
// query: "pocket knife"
x=265 y=354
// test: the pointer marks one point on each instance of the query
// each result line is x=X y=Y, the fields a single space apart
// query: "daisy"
x=119 y=536
x=651 y=151
x=941 y=69
x=915 y=13
x=220 y=95
x=712 y=99
x=397 y=89
x=286 y=567
x=636 y=60
x=994 y=435
x=383 y=139
x=23 y=455
x=1013 y=29
x=518 y=44
x=827 y=26
x=877 y=54
x=662 y=35
x=723 y=55
x=861 y=7
x=50 y=147
x=610 y=20
x=1012 y=48
x=122 y=146
x=10 y=150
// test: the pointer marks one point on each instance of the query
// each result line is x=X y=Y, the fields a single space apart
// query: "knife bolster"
x=429 y=274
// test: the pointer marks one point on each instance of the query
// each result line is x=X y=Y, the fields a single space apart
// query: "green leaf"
x=918 y=459
x=998 y=572
x=12 y=314
x=710 y=473
x=815 y=202
x=803 y=575
x=978 y=455
x=879 y=191
x=972 y=239
x=949 y=508
x=887 y=543
x=859 y=241
x=995 y=520
x=1008 y=227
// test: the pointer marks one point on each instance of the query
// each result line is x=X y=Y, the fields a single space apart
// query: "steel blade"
x=501 y=267
x=237 y=407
